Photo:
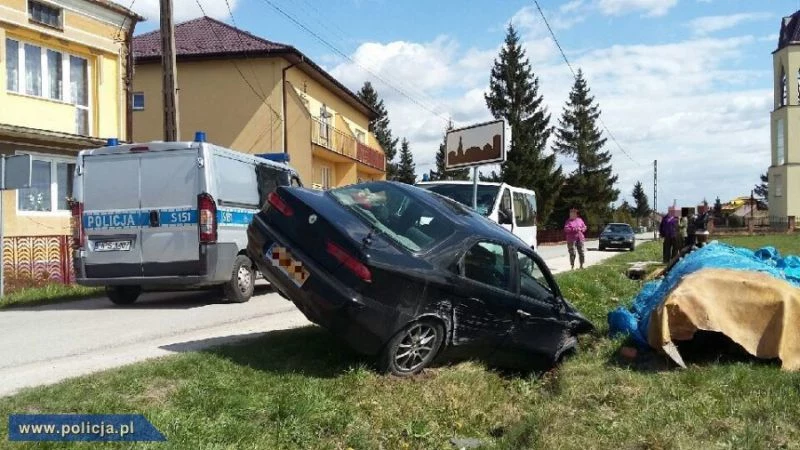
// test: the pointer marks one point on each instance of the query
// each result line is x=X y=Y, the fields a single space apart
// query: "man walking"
x=574 y=229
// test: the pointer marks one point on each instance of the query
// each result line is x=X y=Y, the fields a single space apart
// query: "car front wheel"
x=412 y=349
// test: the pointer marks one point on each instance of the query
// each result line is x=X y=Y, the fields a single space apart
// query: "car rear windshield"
x=619 y=228
x=462 y=193
x=399 y=216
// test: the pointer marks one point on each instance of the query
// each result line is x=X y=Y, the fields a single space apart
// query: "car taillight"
x=78 y=234
x=207 y=210
x=278 y=203
x=349 y=261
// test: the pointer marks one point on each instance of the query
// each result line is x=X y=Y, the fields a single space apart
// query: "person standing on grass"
x=669 y=232
x=683 y=228
x=574 y=229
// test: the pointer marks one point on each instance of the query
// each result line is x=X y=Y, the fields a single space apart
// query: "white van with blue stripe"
x=169 y=215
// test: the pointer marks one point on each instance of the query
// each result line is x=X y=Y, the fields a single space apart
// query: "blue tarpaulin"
x=634 y=321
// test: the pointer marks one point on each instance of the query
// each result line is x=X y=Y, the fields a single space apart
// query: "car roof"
x=480 y=183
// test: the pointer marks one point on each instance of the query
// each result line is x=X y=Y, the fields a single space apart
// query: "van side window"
x=505 y=200
x=268 y=179
x=524 y=211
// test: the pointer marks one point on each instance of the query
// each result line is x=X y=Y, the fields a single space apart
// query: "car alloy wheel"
x=413 y=348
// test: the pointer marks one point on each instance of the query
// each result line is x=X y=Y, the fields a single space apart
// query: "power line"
x=241 y=74
x=344 y=55
x=241 y=42
x=125 y=19
x=574 y=75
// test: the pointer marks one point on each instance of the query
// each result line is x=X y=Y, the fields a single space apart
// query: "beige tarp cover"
x=757 y=311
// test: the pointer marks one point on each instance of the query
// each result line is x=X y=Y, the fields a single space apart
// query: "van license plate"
x=112 y=246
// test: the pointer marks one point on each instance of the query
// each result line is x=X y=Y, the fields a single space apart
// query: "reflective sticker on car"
x=283 y=259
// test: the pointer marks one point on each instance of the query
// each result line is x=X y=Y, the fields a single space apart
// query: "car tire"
x=602 y=248
x=123 y=295
x=412 y=338
x=240 y=287
x=632 y=247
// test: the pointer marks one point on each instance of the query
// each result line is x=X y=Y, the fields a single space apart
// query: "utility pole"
x=169 y=73
x=655 y=195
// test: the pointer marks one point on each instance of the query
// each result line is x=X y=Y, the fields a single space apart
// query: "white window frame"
x=326 y=176
x=66 y=82
x=53 y=160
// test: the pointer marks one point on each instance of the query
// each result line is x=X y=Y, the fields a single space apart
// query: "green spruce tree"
x=514 y=96
x=380 y=127
x=642 y=204
x=439 y=173
x=761 y=190
x=579 y=138
x=405 y=169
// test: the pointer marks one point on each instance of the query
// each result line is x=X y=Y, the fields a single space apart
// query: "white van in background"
x=512 y=207
x=169 y=215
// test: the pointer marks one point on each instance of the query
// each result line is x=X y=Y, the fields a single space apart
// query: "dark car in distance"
x=617 y=235
x=405 y=275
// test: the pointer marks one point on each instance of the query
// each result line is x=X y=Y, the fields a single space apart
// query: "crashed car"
x=405 y=274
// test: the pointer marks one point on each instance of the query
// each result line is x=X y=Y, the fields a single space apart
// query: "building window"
x=12 y=65
x=138 y=101
x=33 y=70
x=51 y=185
x=325 y=123
x=360 y=136
x=44 y=14
x=326 y=177
x=778 y=183
x=780 y=144
x=50 y=74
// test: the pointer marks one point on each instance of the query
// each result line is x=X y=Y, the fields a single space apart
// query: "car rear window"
x=400 y=217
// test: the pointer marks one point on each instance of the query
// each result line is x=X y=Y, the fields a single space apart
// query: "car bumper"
x=616 y=244
x=362 y=322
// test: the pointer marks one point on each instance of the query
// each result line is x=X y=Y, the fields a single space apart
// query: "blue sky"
x=687 y=82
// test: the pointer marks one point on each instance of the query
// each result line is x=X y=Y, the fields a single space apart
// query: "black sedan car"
x=405 y=274
x=617 y=235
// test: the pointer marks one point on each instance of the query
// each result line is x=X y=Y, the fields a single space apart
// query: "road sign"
x=476 y=145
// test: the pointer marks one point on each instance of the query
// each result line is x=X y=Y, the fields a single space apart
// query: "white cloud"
x=711 y=24
x=185 y=9
x=687 y=104
x=650 y=8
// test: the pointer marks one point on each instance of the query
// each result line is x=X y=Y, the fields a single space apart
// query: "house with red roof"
x=257 y=96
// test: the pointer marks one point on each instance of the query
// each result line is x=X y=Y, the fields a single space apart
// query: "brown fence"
x=40 y=259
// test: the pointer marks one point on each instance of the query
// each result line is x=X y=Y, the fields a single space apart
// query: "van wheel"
x=240 y=287
x=123 y=295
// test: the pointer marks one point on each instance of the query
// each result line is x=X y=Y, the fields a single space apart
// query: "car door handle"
x=523 y=314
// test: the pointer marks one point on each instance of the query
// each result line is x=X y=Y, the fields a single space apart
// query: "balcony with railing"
x=327 y=136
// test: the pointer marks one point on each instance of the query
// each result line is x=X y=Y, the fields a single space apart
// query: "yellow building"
x=63 y=81
x=784 y=172
x=257 y=96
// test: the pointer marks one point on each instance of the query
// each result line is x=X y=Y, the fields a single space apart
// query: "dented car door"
x=484 y=302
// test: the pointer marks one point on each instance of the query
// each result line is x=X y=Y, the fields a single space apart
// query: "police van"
x=169 y=215
x=512 y=207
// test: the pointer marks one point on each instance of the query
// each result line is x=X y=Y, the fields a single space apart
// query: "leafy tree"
x=717 y=208
x=380 y=127
x=642 y=208
x=514 y=96
x=440 y=173
x=405 y=169
x=578 y=137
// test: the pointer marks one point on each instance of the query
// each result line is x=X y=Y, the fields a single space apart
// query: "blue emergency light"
x=199 y=136
x=277 y=157
x=112 y=142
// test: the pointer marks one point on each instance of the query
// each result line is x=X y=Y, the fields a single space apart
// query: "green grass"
x=50 y=293
x=303 y=389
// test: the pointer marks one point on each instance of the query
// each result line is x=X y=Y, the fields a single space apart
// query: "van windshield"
x=462 y=193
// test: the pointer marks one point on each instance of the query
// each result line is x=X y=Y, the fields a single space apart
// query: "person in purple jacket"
x=669 y=232
x=574 y=229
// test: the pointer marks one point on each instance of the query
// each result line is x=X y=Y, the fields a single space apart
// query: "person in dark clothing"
x=669 y=232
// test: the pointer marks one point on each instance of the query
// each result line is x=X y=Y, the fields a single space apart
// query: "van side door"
x=524 y=216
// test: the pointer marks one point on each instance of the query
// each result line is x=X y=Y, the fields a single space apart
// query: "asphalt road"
x=46 y=344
